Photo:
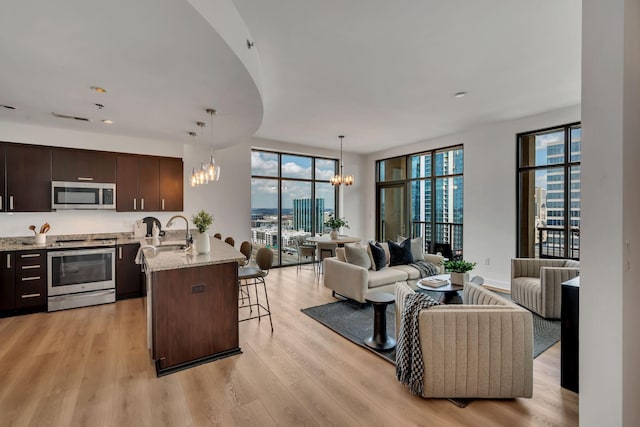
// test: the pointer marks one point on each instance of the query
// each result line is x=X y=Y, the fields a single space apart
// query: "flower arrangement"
x=459 y=266
x=336 y=223
x=202 y=220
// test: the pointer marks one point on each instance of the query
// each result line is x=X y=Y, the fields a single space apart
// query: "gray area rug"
x=355 y=323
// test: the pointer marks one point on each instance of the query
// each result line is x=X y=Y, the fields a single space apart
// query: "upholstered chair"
x=536 y=283
x=482 y=348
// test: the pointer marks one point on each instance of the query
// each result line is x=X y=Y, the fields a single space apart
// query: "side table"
x=380 y=340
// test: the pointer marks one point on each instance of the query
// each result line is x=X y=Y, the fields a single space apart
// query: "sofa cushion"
x=379 y=255
x=340 y=254
x=386 y=276
x=357 y=255
x=412 y=273
x=400 y=253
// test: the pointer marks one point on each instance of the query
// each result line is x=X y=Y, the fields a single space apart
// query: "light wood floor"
x=90 y=367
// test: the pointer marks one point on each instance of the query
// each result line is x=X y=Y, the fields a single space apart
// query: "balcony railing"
x=448 y=237
x=552 y=242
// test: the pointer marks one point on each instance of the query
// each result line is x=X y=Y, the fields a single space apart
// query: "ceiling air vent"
x=64 y=116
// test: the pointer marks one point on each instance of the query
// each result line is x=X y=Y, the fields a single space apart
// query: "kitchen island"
x=192 y=305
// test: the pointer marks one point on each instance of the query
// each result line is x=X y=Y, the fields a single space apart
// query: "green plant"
x=459 y=266
x=335 y=223
x=202 y=220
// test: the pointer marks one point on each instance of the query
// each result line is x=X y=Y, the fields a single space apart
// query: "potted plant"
x=335 y=224
x=202 y=220
x=459 y=271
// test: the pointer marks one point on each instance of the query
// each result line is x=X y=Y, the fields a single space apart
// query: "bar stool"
x=230 y=241
x=248 y=276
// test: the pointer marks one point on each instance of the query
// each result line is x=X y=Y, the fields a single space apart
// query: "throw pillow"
x=400 y=253
x=373 y=263
x=379 y=256
x=417 y=248
x=357 y=256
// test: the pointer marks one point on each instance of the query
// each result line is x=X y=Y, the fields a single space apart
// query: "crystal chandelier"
x=211 y=171
x=340 y=179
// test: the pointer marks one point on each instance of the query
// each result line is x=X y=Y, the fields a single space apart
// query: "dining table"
x=340 y=240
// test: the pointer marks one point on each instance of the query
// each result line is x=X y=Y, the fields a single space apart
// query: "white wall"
x=609 y=297
x=489 y=188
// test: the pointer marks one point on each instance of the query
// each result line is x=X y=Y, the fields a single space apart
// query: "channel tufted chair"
x=536 y=283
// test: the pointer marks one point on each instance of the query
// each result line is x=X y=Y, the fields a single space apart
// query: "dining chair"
x=325 y=250
x=252 y=276
x=304 y=253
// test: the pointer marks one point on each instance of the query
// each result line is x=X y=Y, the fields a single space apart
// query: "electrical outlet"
x=487 y=261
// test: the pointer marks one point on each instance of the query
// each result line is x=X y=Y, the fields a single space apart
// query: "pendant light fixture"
x=206 y=172
x=213 y=169
x=341 y=178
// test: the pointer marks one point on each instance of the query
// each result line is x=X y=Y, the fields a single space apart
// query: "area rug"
x=355 y=323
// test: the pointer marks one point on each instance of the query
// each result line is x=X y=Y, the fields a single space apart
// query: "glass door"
x=391 y=213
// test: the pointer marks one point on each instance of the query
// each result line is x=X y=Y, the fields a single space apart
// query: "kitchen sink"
x=170 y=247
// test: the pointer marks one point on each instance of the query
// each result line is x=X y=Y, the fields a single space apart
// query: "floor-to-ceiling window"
x=422 y=195
x=549 y=192
x=291 y=197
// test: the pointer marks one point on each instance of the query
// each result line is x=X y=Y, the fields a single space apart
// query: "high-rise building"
x=303 y=217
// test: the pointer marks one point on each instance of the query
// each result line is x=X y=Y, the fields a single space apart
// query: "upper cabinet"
x=138 y=184
x=171 y=184
x=28 y=178
x=83 y=165
x=3 y=188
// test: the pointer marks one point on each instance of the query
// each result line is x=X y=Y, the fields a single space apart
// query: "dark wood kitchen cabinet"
x=3 y=188
x=31 y=280
x=171 y=184
x=28 y=178
x=7 y=281
x=69 y=164
x=129 y=278
x=137 y=183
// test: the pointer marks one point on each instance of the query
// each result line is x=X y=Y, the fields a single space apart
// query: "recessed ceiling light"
x=460 y=94
x=98 y=89
x=107 y=122
x=8 y=107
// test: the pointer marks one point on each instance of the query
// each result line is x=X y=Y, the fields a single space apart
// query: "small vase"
x=334 y=234
x=203 y=245
x=459 y=278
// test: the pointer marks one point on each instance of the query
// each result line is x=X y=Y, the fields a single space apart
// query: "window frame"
x=312 y=181
x=566 y=165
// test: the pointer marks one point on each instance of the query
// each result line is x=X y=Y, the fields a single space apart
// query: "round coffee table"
x=449 y=291
x=380 y=340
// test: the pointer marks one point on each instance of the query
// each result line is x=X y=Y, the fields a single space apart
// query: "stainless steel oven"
x=81 y=277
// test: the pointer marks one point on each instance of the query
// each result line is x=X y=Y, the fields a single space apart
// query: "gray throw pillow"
x=357 y=256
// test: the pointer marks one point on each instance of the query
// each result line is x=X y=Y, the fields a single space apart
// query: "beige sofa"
x=482 y=348
x=355 y=282
x=537 y=283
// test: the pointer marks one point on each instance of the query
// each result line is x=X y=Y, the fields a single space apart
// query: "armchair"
x=536 y=283
x=482 y=348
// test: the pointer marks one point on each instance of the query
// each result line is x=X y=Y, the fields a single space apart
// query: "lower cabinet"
x=23 y=282
x=31 y=280
x=7 y=281
x=129 y=278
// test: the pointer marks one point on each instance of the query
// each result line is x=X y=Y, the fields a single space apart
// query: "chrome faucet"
x=186 y=221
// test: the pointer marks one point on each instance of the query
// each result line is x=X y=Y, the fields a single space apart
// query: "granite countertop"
x=121 y=238
x=176 y=259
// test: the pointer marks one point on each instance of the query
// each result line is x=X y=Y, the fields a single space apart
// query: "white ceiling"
x=382 y=73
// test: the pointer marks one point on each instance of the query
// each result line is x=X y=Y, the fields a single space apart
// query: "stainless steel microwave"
x=82 y=195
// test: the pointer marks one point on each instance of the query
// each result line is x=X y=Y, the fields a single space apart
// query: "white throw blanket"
x=409 y=363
